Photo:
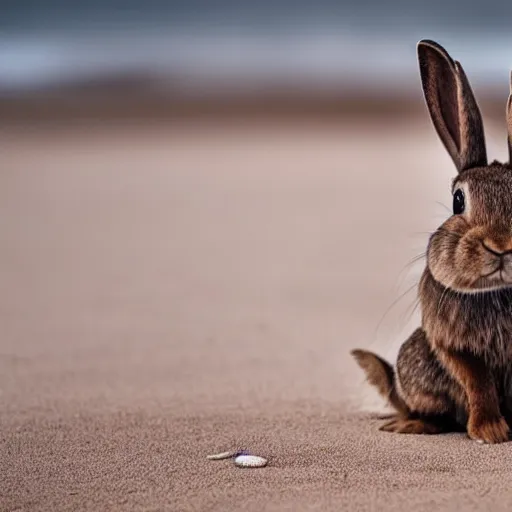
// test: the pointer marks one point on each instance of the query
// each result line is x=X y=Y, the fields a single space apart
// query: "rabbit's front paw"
x=489 y=430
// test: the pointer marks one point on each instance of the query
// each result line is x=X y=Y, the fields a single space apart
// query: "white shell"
x=222 y=456
x=250 y=461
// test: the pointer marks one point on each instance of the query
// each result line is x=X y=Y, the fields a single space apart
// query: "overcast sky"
x=32 y=14
x=321 y=40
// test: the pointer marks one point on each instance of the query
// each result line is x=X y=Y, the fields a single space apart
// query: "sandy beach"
x=178 y=289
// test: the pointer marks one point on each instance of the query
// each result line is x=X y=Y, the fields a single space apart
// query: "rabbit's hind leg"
x=435 y=401
x=428 y=424
x=414 y=426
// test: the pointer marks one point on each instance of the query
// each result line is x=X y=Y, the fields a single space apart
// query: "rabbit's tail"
x=380 y=374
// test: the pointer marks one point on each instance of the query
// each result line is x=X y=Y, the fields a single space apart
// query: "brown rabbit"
x=455 y=372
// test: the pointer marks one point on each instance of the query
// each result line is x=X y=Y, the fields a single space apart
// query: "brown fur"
x=412 y=426
x=455 y=371
x=380 y=374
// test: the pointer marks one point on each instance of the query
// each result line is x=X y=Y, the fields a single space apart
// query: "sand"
x=181 y=289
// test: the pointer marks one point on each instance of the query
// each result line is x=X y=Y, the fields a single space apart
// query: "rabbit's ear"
x=452 y=106
x=509 y=122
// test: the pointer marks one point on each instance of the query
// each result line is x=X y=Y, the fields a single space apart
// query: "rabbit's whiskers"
x=399 y=298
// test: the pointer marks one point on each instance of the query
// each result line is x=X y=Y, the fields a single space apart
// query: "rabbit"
x=454 y=373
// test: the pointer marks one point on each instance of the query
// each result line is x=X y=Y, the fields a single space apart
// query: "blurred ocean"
x=209 y=46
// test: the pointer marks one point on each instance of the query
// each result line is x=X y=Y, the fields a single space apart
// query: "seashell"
x=250 y=461
x=223 y=455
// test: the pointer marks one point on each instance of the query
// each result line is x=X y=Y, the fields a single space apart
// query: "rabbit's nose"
x=498 y=247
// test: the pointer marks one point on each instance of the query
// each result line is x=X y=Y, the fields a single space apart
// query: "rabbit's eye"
x=458 y=202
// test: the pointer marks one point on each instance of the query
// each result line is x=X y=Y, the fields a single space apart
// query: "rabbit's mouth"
x=500 y=273
x=500 y=277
